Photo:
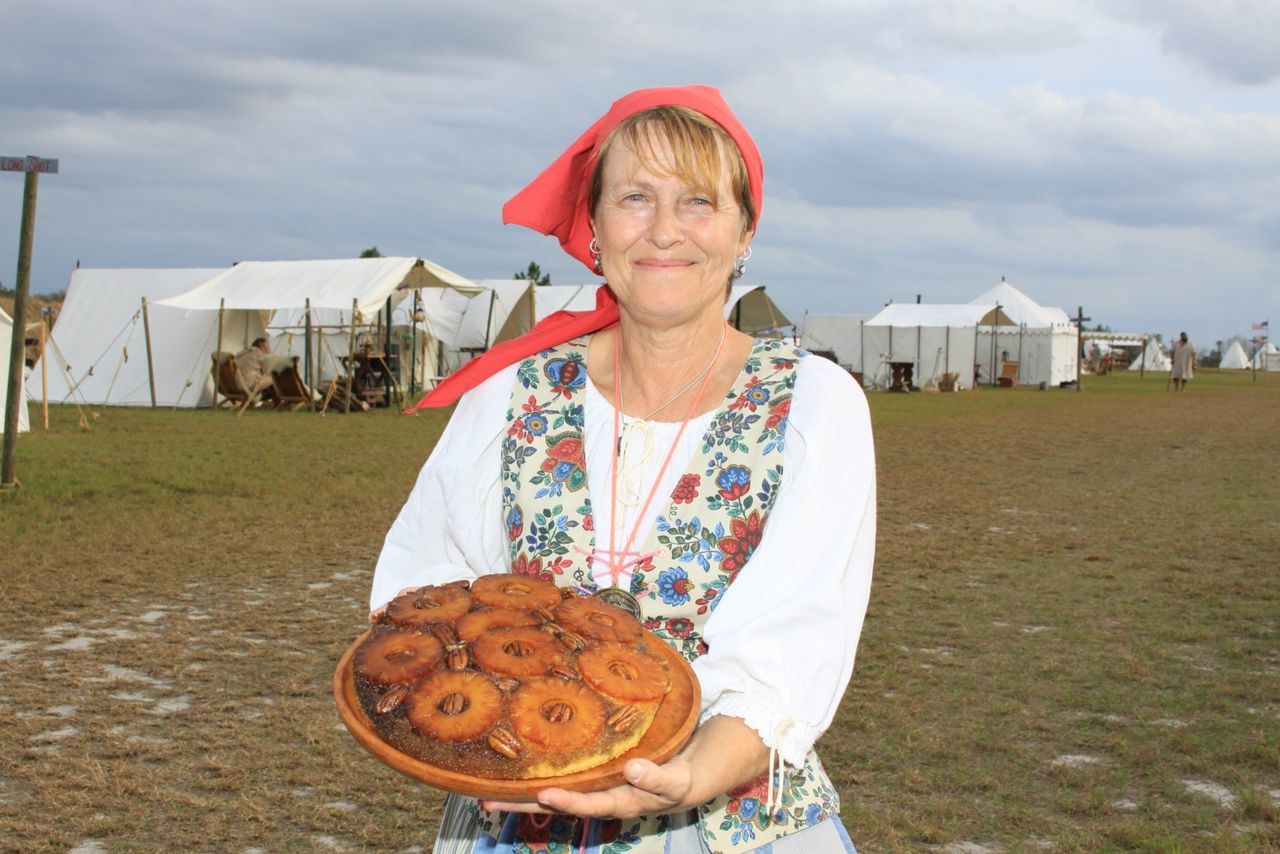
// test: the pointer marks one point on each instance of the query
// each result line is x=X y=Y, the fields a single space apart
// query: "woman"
x=724 y=485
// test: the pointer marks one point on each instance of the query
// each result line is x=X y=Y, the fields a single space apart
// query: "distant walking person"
x=1183 y=356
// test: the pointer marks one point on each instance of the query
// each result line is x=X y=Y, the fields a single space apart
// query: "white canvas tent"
x=462 y=325
x=1235 y=359
x=332 y=289
x=935 y=338
x=841 y=334
x=97 y=350
x=1041 y=339
x=6 y=336
x=1152 y=358
x=748 y=309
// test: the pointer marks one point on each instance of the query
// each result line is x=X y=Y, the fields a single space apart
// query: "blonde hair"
x=701 y=149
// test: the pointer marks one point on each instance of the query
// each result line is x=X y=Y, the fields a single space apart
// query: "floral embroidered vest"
x=705 y=533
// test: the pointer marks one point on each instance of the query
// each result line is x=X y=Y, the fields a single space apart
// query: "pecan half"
x=506 y=684
x=623 y=718
x=443 y=632
x=558 y=713
x=458 y=658
x=504 y=742
x=568 y=674
x=453 y=704
x=543 y=615
x=391 y=700
x=571 y=640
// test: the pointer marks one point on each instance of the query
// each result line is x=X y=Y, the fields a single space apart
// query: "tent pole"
x=44 y=373
x=217 y=348
x=919 y=359
x=976 y=327
x=1142 y=359
x=488 y=324
x=946 y=355
x=306 y=354
x=351 y=356
x=413 y=344
x=862 y=348
x=151 y=370
x=386 y=353
x=1021 y=328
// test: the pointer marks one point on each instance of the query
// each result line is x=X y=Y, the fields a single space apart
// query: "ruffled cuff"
x=777 y=728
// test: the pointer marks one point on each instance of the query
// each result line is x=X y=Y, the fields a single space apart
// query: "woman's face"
x=666 y=248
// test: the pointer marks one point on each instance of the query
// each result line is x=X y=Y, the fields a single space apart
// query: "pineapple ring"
x=521 y=592
x=434 y=711
x=624 y=673
x=394 y=656
x=597 y=620
x=442 y=604
x=520 y=651
x=556 y=715
x=476 y=623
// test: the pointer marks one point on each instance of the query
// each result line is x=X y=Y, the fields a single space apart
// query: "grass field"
x=1073 y=642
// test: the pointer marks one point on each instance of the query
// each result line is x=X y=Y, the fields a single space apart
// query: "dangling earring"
x=594 y=249
x=740 y=265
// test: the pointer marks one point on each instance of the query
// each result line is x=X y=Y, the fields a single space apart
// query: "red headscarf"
x=555 y=203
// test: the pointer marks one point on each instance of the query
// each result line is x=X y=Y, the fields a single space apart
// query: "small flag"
x=1258 y=327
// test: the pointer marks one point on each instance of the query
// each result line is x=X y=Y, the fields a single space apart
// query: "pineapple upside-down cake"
x=509 y=677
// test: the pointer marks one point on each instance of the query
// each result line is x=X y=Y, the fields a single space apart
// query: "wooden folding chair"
x=231 y=388
x=1008 y=375
x=290 y=391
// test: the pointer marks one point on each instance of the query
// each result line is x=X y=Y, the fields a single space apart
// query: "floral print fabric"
x=702 y=537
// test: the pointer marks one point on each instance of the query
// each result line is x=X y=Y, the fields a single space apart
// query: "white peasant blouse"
x=781 y=642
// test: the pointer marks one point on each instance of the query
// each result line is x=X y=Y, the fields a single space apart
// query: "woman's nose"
x=665 y=230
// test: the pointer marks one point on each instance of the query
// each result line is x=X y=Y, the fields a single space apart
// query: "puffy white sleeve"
x=450 y=527
x=782 y=640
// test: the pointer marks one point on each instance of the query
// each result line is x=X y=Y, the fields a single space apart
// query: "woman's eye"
x=700 y=200
x=635 y=197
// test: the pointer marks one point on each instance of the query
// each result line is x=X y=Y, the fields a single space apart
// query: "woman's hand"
x=382 y=609
x=722 y=754
x=650 y=790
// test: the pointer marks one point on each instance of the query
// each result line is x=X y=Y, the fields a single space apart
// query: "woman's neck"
x=657 y=362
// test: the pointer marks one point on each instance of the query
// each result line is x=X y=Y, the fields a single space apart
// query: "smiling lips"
x=662 y=263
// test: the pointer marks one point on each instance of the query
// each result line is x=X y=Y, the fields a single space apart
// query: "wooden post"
x=217 y=348
x=1080 y=319
x=44 y=373
x=17 y=346
x=1142 y=359
x=306 y=357
x=151 y=371
x=351 y=356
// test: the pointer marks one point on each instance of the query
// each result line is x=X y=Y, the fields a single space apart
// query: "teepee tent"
x=97 y=351
x=1235 y=359
x=6 y=335
x=1152 y=358
x=1041 y=339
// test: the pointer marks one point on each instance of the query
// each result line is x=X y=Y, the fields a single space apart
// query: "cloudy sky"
x=1120 y=155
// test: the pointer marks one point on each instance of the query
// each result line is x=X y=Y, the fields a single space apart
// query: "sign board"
x=28 y=164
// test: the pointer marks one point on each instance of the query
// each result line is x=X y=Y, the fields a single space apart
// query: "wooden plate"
x=671 y=728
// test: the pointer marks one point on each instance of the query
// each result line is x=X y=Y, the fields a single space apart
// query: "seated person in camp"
x=249 y=364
